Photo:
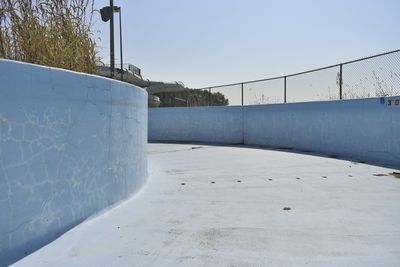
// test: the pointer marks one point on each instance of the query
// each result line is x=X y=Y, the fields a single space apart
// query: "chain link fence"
x=373 y=76
x=376 y=76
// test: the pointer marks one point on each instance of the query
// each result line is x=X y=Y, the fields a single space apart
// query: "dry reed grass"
x=52 y=33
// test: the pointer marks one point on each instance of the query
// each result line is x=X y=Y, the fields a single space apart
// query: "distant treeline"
x=192 y=98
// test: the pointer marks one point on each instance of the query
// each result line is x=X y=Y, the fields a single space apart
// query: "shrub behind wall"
x=51 y=33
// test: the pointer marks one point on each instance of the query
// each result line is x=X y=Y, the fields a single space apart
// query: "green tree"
x=191 y=98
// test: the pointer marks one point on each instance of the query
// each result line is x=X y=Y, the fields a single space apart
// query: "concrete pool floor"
x=237 y=206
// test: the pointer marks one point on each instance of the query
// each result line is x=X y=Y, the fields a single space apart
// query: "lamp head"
x=106 y=13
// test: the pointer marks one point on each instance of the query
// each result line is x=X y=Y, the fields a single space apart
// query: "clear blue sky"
x=211 y=42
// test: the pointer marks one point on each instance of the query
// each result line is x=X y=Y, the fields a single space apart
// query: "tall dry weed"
x=52 y=33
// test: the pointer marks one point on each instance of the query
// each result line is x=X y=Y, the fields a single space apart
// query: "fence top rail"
x=300 y=73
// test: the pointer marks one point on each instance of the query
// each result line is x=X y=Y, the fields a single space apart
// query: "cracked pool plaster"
x=70 y=145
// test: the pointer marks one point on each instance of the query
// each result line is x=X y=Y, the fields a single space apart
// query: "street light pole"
x=120 y=44
x=107 y=14
x=112 y=62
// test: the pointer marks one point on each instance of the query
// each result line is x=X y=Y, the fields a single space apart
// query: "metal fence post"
x=209 y=96
x=340 y=81
x=242 y=94
x=284 y=89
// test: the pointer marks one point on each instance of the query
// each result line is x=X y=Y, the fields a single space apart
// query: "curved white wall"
x=363 y=129
x=199 y=124
x=71 y=144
